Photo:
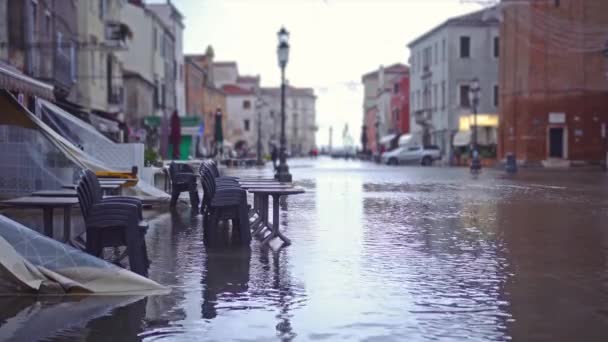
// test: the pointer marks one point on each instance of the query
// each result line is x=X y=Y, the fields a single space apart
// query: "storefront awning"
x=387 y=139
x=462 y=138
x=14 y=80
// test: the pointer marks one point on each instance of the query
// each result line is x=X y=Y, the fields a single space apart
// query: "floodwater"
x=379 y=254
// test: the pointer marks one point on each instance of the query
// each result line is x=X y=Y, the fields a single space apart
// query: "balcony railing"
x=116 y=96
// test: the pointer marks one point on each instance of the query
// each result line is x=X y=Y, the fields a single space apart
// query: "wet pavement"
x=379 y=254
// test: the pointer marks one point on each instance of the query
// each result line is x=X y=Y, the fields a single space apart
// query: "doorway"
x=556 y=142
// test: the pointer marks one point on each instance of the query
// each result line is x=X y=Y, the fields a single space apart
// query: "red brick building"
x=554 y=81
x=400 y=105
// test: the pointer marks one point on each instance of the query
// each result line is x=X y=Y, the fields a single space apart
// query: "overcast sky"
x=333 y=43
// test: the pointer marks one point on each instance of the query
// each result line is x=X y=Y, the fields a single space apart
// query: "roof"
x=290 y=91
x=224 y=64
x=479 y=18
x=231 y=89
x=394 y=68
x=248 y=79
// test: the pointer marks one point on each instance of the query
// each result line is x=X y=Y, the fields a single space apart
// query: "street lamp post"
x=604 y=133
x=259 y=105
x=282 y=174
x=474 y=95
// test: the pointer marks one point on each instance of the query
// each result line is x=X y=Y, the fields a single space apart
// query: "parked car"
x=412 y=155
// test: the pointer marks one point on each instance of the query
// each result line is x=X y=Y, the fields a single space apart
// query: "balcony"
x=116 y=34
x=116 y=96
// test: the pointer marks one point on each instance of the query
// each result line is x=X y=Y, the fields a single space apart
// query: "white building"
x=443 y=63
x=300 y=118
x=173 y=20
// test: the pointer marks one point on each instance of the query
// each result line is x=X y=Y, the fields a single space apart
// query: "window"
x=156 y=94
x=556 y=3
x=465 y=47
x=154 y=38
x=443 y=47
x=73 y=61
x=102 y=8
x=246 y=104
x=34 y=17
x=163 y=96
x=464 y=96
x=443 y=94
x=59 y=43
x=272 y=113
x=436 y=100
x=436 y=54
x=496 y=47
x=246 y=122
x=418 y=99
x=427 y=57
x=396 y=88
x=496 y=95
x=47 y=23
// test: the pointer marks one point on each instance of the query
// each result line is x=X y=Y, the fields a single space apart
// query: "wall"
x=237 y=114
x=225 y=73
x=172 y=19
x=539 y=76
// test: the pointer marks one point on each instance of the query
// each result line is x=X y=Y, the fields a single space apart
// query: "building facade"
x=203 y=98
x=554 y=91
x=400 y=105
x=444 y=61
x=100 y=90
x=39 y=38
x=380 y=97
x=300 y=118
x=173 y=21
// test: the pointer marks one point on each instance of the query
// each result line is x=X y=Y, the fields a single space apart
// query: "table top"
x=271 y=191
x=120 y=182
x=124 y=180
x=56 y=193
x=103 y=186
x=34 y=201
x=262 y=186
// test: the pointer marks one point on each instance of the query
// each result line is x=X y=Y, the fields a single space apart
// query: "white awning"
x=14 y=80
x=462 y=138
x=387 y=139
x=405 y=139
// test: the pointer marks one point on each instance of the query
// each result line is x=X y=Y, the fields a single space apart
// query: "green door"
x=184 y=147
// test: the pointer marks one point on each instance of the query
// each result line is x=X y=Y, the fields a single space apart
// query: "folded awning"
x=103 y=124
x=387 y=139
x=462 y=138
x=14 y=80
x=405 y=139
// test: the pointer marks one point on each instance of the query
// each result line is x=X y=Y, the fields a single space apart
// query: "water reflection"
x=226 y=278
x=32 y=319
x=388 y=254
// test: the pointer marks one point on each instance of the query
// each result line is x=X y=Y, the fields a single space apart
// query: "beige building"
x=100 y=87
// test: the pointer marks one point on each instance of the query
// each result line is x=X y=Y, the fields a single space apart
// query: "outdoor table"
x=55 y=193
x=48 y=204
x=276 y=193
x=257 y=199
x=107 y=188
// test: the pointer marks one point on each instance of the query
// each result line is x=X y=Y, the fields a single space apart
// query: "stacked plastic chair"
x=113 y=222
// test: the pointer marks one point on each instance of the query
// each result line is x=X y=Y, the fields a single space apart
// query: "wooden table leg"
x=47 y=221
x=67 y=223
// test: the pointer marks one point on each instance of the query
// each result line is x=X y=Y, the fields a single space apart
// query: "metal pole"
x=283 y=174
x=259 y=149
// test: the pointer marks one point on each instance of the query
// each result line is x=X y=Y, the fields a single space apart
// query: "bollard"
x=511 y=165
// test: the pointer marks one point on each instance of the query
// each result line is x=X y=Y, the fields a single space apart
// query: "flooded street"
x=379 y=254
